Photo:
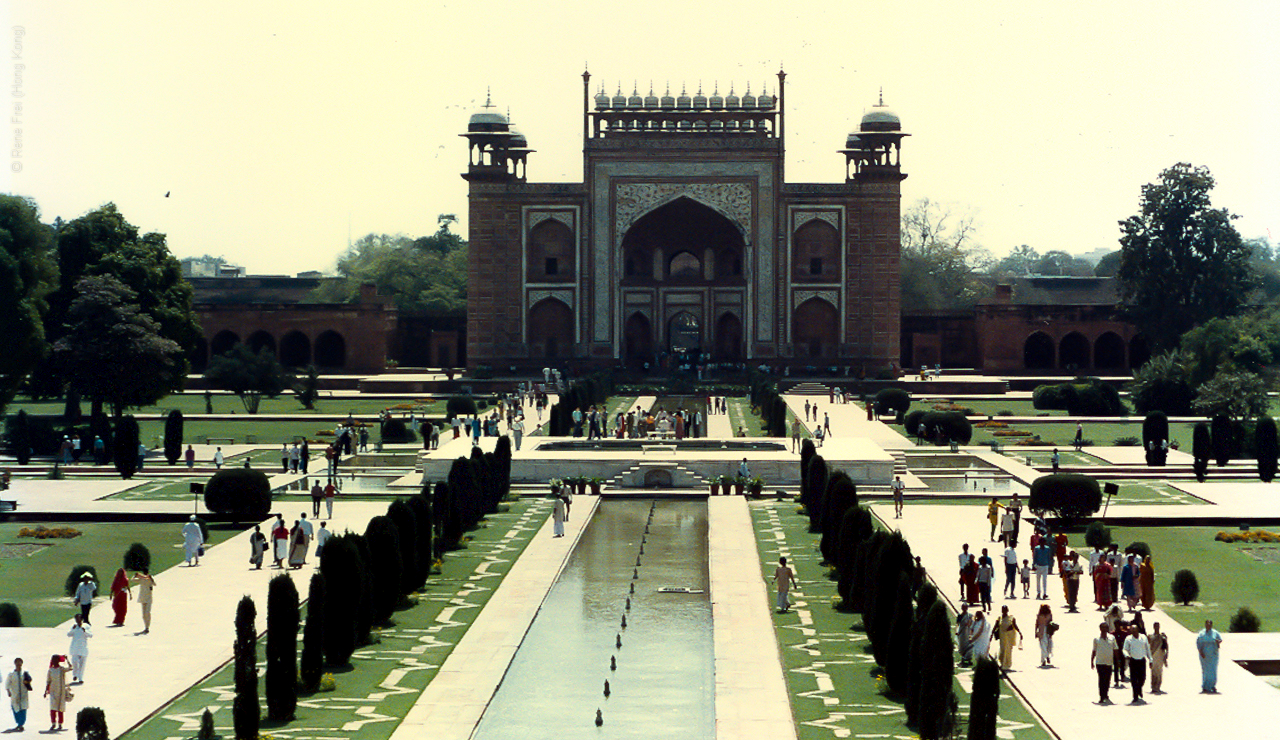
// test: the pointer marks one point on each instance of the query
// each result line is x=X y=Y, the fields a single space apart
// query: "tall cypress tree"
x=341 y=570
x=984 y=704
x=855 y=527
x=245 y=708
x=400 y=514
x=937 y=692
x=817 y=480
x=173 y=437
x=898 y=649
x=126 y=443
x=926 y=595
x=312 y=666
x=282 y=648
x=423 y=519
x=1264 y=441
x=384 y=567
x=839 y=496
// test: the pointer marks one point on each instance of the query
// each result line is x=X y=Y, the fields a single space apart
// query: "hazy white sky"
x=281 y=128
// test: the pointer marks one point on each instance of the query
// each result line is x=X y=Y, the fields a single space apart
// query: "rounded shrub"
x=1244 y=620
x=1266 y=448
x=1201 y=449
x=91 y=724
x=1097 y=535
x=893 y=399
x=1052 y=397
x=1184 y=587
x=1138 y=548
x=911 y=422
x=10 y=615
x=946 y=427
x=240 y=492
x=1068 y=495
x=460 y=406
x=395 y=430
x=73 y=579
x=138 y=557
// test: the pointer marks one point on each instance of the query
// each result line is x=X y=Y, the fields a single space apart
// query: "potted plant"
x=726 y=481
x=739 y=483
x=595 y=482
x=755 y=486
x=715 y=486
x=556 y=484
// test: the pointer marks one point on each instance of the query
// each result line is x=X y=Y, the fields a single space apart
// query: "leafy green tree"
x=250 y=376
x=1232 y=395
x=112 y=352
x=1109 y=265
x=1182 y=262
x=424 y=275
x=1163 y=384
x=1018 y=263
x=27 y=273
x=307 y=389
x=1059 y=263
x=939 y=260
x=102 y=242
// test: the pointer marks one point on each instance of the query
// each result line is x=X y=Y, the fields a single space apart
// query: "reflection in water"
x=663 y=685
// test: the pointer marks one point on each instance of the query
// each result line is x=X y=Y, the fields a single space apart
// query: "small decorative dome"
x=619 y=100
x=635 y=101
x=881 y=118
x=488 y=119
x=651 y=100
x=684 y=102
x=517 y=141
x=699 y=100
x=854 y=141
x=716 y=102
x=668 y=102
x=765 y=101
x=748 y=100
x=732 y=102
x=602 y=99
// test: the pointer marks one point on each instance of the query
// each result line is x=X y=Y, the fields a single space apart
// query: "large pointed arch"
x=815 y=329
x=550 y=323
x=683 y=241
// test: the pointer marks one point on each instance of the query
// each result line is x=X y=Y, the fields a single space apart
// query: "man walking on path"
x=330 y=493
x=517 y=431
x=79 y=650
x=218 y=458
x=1138 y=650
x=1104 y=649
x=1010 y=572
x=1042 y=557
x=317 y=496
x=18 y=687
x=1015 y=510
x=1071 y=571
x=898 y=490
x=1056 y=459
x=192 y=541
x=785 y=578
x=147 y=584
x=1208 y=641
x=84 y=595
x=795 y=435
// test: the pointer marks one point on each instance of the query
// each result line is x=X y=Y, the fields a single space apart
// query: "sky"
x=281 y=130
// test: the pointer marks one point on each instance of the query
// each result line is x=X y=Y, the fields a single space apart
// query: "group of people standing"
x=288 y=544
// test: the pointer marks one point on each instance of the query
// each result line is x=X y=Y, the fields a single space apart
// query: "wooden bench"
x=223 y=440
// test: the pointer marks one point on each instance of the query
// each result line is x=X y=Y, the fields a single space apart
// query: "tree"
x=1155 y=437
x=384 y=567
x=1232 y=395
x=1109 y=265
x=311 y=668
x=126 y=444
x=173 y=437
x=245 y=709
x=939 y=259
x=91 y=724
x=898 y=640
x=816 y=478
x=1018 y=263
x=20 y=437
x=112 y=353
x=937 y=675
x=250 y=376
x=425 y=521
x=407 y=532
x=137 y=557
x=244 y=493
x=1058 y=263
x=102 y=242
x=1222 y=433
x=1069 y=495
x=28 y=272
x=841 y=495
x=1184 y=587
x=984 y=705
x=343 y=571
x=307 y=389
x=1182 y=262
x=1264 y=442
x=1201 y=449
x=282 y=648
x=855 y=527
x=424 y=275
x=1163 y=384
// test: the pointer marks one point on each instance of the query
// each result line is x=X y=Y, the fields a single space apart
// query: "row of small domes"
x=684 y=101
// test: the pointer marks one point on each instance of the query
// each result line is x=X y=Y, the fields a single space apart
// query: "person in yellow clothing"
x=993 y=515
x=1005 y=631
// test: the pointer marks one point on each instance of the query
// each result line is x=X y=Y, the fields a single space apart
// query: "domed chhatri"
x=881 y=118
x=619 y=100
x=602 y=99
x=651 y=100
x=488 y=119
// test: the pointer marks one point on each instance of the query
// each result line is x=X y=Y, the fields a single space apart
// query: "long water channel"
x=663 y=684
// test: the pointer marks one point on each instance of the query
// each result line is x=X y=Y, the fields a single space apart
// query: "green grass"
x=35 y=582
x=830 y=646
x=192 y=404
x=386 y=678
x=1228 y=577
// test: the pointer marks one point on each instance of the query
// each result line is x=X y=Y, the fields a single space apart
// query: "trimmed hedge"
x=1184 y=587
x=241 y=492
x=73 y=579
x=1068 y=495
x=137 y=557
x=911 y=422
x=91 y=724
x=460 y=406
x=10 y=615
x=1081 y=397
x=1155 y=433
x=395 y=430
x=1244 y=620
x=1201 y=449
x=893 y=399
x=1097 y=535
x=282 y=648
x=953 y=426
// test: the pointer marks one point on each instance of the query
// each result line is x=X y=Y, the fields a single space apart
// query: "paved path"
x=191 y=636
x=751 y=693
x=1065 y=696
x=849 y=420
x=454 y=701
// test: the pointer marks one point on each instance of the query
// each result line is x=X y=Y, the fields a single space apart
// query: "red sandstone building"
x=684 y=235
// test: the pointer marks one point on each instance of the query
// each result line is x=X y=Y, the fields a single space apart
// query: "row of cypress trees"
x=773 y=410
x=583 y=393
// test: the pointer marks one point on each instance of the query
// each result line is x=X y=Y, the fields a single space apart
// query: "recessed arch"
x=200 y=355
x=330 y=349
x=551 y=329
x=1108 y=351
x=685 y=267
x=638 y=340
x=674 y=242
x=815 y=329
x=295 y=349
x=1073 y=352
x=684 y=333
x=815 y=253
x=1139 y=352
x=222 y=342
x=728 y=338
x=1038 y=352
x=260 y=340
x=551 y=255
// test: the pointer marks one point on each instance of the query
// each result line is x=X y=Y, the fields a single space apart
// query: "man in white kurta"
x=79 y=650
x=557 y=516
x=192 y=541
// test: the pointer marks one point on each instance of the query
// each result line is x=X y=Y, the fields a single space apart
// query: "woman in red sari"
x=969 y=581
x=120 y=595
x=1102 y=584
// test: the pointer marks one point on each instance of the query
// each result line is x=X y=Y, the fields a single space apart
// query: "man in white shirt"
x=517 y=431
x=1138 y=651
x=1011 y=571
x=964 y=556
x=1104 y=649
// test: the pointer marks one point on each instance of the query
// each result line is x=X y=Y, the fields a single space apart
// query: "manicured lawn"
x=1229 y=576
x=826 y=655
x=192 y=404
x=34 y=580
x=385 y=678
